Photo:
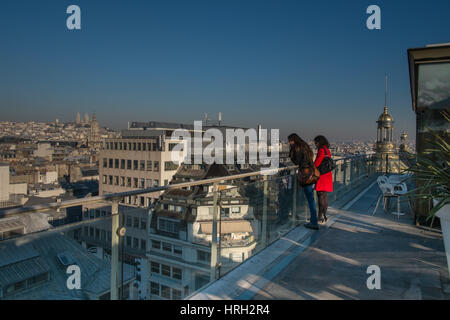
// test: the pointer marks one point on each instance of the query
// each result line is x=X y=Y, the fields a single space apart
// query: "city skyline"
x=257 y=63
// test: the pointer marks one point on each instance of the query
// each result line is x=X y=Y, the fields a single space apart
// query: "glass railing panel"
x=66 y=262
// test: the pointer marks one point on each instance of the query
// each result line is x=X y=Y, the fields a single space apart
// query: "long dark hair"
x=300 y=145
x=322 y=141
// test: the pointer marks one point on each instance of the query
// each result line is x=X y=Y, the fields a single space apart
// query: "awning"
x=227 y=227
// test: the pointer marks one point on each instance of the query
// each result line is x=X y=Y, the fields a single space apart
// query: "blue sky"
x=310 y=67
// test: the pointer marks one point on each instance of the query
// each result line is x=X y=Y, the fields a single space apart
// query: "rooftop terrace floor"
x=334 y=265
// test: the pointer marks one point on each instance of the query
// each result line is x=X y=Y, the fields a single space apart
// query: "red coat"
x=325 y=182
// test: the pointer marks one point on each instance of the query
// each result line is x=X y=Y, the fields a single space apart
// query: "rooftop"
x=332 y=263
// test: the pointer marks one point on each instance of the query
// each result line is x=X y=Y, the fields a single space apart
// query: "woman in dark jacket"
x=325 y=182
x=302 y=155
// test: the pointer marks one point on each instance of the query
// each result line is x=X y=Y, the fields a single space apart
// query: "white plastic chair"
x=390 y=187
x=386 y=191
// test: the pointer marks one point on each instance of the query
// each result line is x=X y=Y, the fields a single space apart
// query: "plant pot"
x=444 y=216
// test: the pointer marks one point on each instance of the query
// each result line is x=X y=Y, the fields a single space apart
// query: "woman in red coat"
x=325 y=182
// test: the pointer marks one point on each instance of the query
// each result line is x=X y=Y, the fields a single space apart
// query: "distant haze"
x=306 y=67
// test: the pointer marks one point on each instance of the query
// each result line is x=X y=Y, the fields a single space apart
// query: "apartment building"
x=141 y=158
x=98 y=233
x=180 y=234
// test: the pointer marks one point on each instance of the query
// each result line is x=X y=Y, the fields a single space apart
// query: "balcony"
x=271 y=246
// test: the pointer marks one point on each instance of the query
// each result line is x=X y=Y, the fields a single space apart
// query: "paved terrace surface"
x=334 y=265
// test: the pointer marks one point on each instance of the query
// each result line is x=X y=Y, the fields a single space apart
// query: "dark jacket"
x=300 y=158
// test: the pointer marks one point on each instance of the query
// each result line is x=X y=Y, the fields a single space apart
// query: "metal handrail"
x=75 y=202
x=119 y=195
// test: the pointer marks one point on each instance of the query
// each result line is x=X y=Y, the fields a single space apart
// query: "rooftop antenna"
x=385 y=91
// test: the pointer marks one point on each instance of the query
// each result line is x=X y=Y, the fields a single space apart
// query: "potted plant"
x=432 y=171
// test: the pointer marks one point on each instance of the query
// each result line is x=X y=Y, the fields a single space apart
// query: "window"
x=173 y=145
x=236 y=209
x=156 y=244
x=156 y=182
x=144 y=147
x=129 y=182
x=149 y=165
x=165 y=292
x=128 y=244
x=178 y=250
x=176 y=294
x=136 y=223
x=225 y=212
x=135 y=182
x=37 y=279
x=169 y=166
x=154 y=288
x=149 y=145
x=142 y=165
x=135 y=165
x=143 y=224
x=116 y=163
x=120 y=145
x=122 y=181
x=167 y=247
x=139 y=146
x=203 y=256
x=122 y=163
x=124 y=146
x=111 y=163
x=154 y=266
x=176 y=273
x=156 y=166
x=105 y=163
x=149 y=183
x=105 y=179
x=110 y=180
x=155 y=147
x=166 y=182
x=142 y=183
x=136 y=243
x=129 y=164
x=167 y=225
x=129 y=221
x=134 y=146
x=116 y=180
x=143 y=244
x=165 y=270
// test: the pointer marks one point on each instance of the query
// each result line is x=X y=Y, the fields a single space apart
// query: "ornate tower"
x=384 y=147
x=385 y=133
x=94 y=141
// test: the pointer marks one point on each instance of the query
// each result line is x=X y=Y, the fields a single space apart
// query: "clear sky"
x=301 y=66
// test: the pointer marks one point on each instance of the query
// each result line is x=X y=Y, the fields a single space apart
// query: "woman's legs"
x=309 y=193
x=323 y=204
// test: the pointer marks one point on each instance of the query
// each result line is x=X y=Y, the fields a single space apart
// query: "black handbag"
x=327 y=164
